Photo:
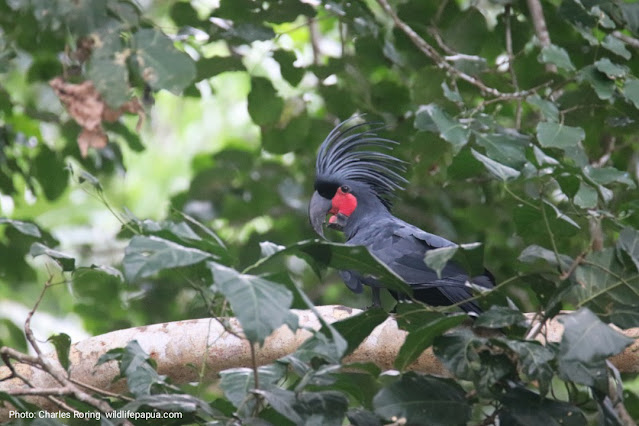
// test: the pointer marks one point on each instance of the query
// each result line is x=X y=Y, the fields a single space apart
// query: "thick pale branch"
x=178 y=346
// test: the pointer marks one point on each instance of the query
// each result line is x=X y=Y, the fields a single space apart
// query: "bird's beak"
x=317 y=210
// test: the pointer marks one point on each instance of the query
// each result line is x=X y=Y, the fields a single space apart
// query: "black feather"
x=352 y=152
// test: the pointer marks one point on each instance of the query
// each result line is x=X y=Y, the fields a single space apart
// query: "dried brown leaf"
x=91 y=139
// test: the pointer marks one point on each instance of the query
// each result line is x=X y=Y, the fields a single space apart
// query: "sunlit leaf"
x=24 y=227
x=586 y=344
x=66 y=262
x=160 y=64
x=557 y=56
x=146 y=256
x=260 y=305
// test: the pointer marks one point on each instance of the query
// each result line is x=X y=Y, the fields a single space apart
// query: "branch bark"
x=177 y=346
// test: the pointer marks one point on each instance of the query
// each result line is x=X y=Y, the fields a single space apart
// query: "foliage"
x=523 y=142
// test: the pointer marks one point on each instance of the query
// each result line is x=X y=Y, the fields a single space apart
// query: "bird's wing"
x=403 y=250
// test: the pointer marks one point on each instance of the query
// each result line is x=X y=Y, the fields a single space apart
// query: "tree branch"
x=175 y=349
x=537 y=14
x=442 y=63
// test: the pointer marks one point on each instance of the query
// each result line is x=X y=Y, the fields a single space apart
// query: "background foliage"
x=149 y=207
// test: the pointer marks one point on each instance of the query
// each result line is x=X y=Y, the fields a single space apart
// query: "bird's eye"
x=345 y=189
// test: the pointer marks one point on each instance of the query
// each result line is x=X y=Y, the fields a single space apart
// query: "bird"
x=356 y=180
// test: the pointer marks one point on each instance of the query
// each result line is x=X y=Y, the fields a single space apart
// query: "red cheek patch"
x=344 y=203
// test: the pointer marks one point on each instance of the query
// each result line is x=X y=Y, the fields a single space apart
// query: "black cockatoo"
x=354 y=184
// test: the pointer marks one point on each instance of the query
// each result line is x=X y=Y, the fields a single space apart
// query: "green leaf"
x=437 y=259
x=556 y=55
x=449 y=129
x=136 y=366
x=422 y=338
x=586 y=197
x=12 y=336
x=498 y=170
x=523 y=407
x=585 y=345
x=25 y=228
x=423 y=400
x=290 y=72
x=237 y=383
x=606 y=287
x=500 y=316
x=62 y=344
x=210 y=67
x=631 y=91
x=160 y=64
x=66 y=262
x=613 y=71
x=458 y=351
x=534 y=359
x=264 y=105
x=358 y=327
x=601 y=84
x=107 y=68
x=505 y=148
x=290 y=138
x=629 y=242
x=548 y=109
x=451 y=94
x=556 y=135
x=145 y=256
x=260 y=305
x=534 y=252
x=308 y=408
x=50 y=171
x=616 y=46
x=608 y=175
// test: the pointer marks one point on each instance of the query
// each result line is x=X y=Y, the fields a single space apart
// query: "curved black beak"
x=317 y=211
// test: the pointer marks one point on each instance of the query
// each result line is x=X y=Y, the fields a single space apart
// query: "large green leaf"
x=237 y=383
x=629 y=242
x=260 y=305
x=505 y=148
x=264 y=104
x=523 y=407
x=423 y=400
x=585 y=345
x=358 y=327
x=450 y=129
x=107 y=68
x=420 y=339
x=557 y=135
x=607 y=288
x=146 y=256
x=500 y=171
x=160 y=64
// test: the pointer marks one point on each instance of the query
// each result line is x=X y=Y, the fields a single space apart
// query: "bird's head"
x=353 y=175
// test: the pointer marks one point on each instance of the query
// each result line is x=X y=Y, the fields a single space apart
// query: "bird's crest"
x=352 y=153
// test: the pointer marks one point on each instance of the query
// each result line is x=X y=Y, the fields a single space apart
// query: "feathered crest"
x=352 y=153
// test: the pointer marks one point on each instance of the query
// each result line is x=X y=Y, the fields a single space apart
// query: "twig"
x=626 y=39
x=314 y=35
x=441 y=62
x=511 y=60
x=537 y=14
